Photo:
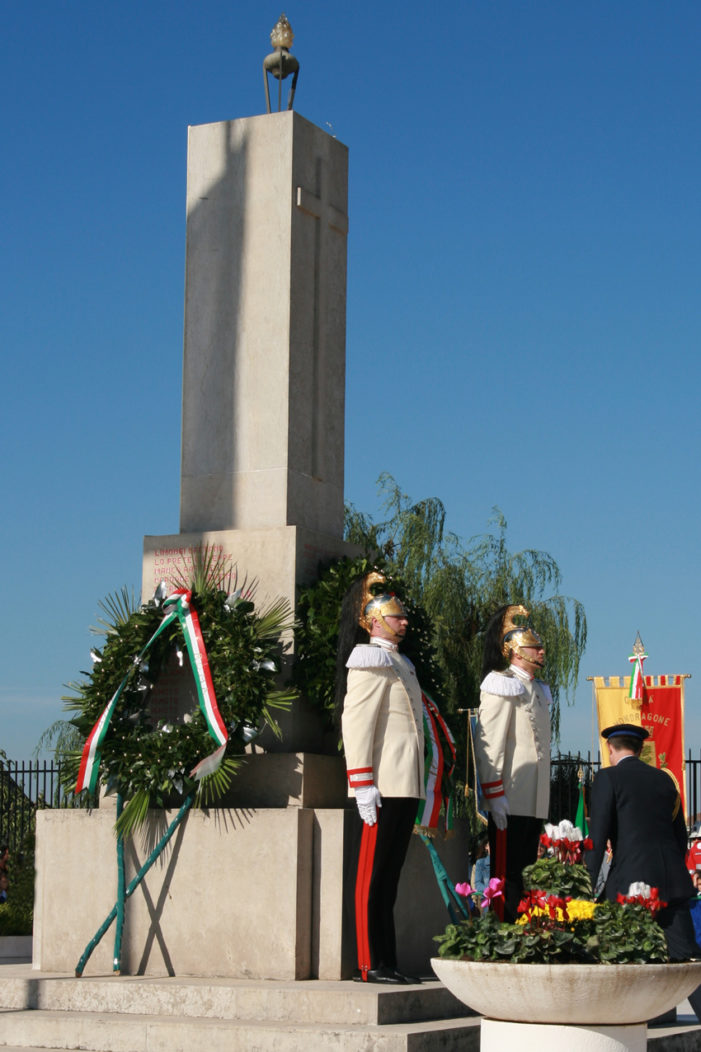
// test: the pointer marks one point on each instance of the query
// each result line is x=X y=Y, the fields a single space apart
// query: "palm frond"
x=118 y=608
x=274 y=620
x=209 y=568
x=134 y=814
x=281 y=699
x=214 y=785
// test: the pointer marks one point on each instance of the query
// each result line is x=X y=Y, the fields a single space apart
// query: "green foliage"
x=16 y=914
x=559 y=924
x=628 y=935
x=558 y=878
x=616 y=934
x=62 y=738
x=460 y=586
x=484 y=938
x=316 y=635
x=148 y=761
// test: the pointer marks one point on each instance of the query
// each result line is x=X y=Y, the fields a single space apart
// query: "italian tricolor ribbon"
x=435 y=767
x=190 y=624
x=636 y=691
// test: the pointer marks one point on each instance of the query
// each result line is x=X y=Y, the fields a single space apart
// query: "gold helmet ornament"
x=378 y=607
x=516 y=636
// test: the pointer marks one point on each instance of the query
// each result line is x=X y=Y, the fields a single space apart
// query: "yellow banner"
x=661 y=712
x=614 y=706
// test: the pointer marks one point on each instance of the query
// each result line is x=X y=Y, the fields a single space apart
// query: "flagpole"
x=590 y=679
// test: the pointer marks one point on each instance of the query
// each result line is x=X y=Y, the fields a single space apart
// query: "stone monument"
x=255 y=887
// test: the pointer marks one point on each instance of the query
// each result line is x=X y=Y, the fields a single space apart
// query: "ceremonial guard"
x=382 y=726
x=512 y=747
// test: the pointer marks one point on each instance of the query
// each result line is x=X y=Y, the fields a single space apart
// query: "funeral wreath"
x=209 y=625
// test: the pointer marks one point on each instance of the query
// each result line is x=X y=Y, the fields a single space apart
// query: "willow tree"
x=461 y=585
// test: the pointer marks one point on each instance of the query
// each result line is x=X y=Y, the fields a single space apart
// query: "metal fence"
x=565 y=779
x=693 y=789
x=566 y=772
x=26 y=786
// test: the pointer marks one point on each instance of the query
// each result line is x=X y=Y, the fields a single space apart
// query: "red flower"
x=555 y=903
x=534 y=899
x=653 y=902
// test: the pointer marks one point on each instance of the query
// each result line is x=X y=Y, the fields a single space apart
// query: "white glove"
x=368 y=799
x=499 y=808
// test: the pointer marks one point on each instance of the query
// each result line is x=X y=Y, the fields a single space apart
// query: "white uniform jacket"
x=382 y=723
x=512 y=744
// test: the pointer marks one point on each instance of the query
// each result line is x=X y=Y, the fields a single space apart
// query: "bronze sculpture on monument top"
x=280 y=64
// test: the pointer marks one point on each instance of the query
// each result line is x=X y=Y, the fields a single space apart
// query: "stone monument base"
x=239 y=892
x=288 y=779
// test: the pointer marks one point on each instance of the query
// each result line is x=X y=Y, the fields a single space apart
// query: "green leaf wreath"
x=149 y=764
x=316 y=633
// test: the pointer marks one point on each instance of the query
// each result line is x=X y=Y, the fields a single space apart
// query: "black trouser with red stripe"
x=522 y=836
x=381 y=855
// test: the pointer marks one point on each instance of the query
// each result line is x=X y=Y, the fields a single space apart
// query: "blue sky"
x=523 y=295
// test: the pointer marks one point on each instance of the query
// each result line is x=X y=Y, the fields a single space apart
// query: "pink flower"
x=463 y=889
x=494 y=890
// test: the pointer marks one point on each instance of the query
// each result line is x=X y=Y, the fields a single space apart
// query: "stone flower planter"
x=571 y=994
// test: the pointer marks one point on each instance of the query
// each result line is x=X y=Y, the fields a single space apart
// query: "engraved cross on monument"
x=264 y=359
x=317 y=205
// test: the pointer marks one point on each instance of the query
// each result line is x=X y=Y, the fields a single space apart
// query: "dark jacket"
x=637 y=808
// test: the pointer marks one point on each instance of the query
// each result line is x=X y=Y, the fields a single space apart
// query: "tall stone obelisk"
x=264 y=359
x=265 y=312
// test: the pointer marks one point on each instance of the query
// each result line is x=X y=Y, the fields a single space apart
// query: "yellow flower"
x=577 y=909
x=581 y=909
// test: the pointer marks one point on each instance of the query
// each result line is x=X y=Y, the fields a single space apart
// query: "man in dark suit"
x=638 y=809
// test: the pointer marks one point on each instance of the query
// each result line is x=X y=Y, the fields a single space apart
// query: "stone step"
x=313 y=1001
x=309 y=1002
x=51 y=1012
x=54 y=1032
x=108 y=1032
x=146 y=1014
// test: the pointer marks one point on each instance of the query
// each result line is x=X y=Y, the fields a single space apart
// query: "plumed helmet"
x=515 y=636
x=378 y=607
